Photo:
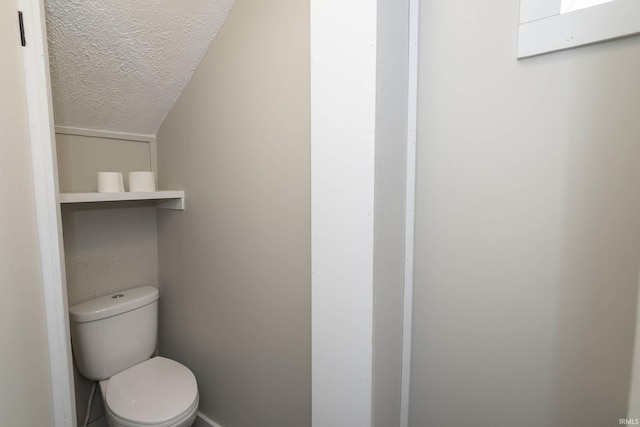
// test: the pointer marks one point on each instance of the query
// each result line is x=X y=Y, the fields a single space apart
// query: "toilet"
x=113 y=339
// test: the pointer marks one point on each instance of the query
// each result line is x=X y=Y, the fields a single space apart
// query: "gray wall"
x=109 y=249
x=390 y=187
x=528 y=225
x=234 y=267
x=25 y=388
x=81 y=157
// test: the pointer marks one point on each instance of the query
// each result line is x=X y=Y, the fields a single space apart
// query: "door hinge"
x=23 y=40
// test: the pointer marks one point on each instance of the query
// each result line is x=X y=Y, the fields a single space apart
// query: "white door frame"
x=343 y=123
x=45 y=177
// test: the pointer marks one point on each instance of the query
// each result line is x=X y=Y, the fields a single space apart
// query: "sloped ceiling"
x=119 y=65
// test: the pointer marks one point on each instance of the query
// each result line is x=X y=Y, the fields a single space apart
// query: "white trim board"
x=45 y=177
x=120 y=136
x=633 y=409
x=66 y=130
x=343 y=125
x=544 y=29
x=208 y=420
x=412 y=136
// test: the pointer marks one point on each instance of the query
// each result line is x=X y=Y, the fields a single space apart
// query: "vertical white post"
x=412 y=125
x=45 y=179
x=343 y=95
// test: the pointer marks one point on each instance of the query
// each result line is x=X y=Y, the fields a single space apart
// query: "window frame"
x=544 y=29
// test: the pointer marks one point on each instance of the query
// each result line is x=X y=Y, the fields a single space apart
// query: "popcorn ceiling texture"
x=119 y=65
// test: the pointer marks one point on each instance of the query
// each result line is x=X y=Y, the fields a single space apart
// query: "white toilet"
x=113 y=338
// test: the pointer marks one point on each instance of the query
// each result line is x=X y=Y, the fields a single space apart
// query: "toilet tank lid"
x=114 y=304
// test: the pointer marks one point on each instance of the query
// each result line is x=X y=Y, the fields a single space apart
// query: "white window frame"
x=544 y=29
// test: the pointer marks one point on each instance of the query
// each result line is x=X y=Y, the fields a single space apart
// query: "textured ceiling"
x=119 y=65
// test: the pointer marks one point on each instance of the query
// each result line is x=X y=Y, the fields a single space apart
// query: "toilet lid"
x=152 y=392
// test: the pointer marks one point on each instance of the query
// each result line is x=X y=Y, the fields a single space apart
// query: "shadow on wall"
x=600 y=254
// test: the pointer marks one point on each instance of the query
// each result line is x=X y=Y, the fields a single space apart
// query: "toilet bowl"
x=158 y=392
x=113 y=339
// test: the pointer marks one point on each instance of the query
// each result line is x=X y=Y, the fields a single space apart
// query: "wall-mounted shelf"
x=164 y=199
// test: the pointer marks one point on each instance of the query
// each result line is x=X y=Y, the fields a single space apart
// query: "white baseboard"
x=208 y=420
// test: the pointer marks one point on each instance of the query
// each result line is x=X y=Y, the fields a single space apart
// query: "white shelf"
x=164 y=199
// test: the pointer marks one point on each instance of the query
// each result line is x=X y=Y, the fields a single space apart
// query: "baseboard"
x=203 y=421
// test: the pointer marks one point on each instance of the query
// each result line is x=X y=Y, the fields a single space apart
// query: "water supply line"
x=90 y=404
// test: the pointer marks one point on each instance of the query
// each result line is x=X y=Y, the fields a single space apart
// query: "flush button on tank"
x=117 y=296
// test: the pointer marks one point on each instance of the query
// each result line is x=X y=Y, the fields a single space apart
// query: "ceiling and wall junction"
x=120 y=66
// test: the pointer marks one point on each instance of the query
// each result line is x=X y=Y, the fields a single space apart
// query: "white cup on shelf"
x=110 y=182
x=142 y=182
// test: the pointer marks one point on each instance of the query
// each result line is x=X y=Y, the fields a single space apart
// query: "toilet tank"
x=112 y=333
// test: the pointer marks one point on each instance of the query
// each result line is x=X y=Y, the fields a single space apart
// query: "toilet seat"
x=157 y=392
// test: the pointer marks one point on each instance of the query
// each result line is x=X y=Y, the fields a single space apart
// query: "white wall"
x=528 y=225
x=25 y=388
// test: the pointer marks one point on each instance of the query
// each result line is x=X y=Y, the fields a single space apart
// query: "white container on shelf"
x=142 y=182
x=110 y=182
